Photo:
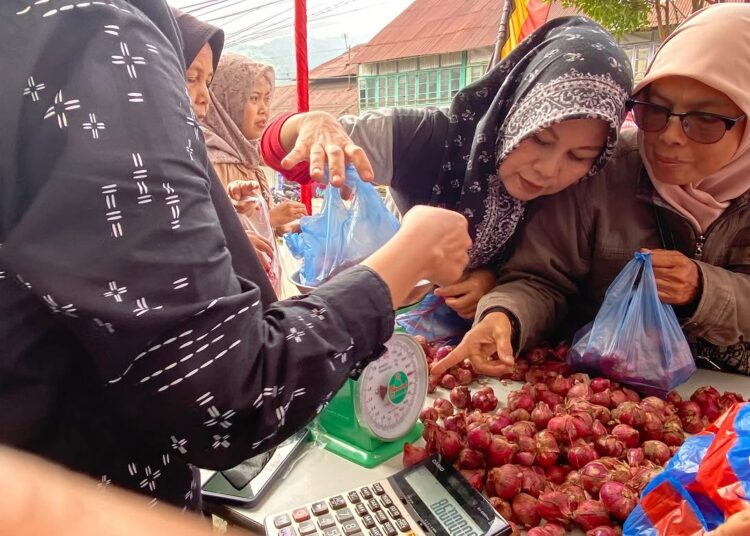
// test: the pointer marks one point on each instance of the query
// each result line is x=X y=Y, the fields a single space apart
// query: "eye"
x=578 y=158
x=539 y=141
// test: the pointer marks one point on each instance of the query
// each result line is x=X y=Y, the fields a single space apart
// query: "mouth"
x=530 y=186
x=261 y=124
x=666 y=161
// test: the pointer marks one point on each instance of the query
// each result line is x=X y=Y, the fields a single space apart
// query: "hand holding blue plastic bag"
x=635 y=338
x=341 y=236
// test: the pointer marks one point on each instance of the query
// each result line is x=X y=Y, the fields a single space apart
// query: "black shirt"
x=130 y=346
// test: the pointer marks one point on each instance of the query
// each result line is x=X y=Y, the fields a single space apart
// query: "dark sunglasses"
x=702 y=127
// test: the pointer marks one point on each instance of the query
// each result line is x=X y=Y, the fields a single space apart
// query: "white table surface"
x=317 y=473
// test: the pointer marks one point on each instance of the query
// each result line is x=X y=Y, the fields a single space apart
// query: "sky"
x=261 y=20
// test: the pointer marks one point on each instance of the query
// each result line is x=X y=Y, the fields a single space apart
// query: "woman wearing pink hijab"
x=678 y=188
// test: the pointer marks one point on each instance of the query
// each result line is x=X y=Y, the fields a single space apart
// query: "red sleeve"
x=273 y=152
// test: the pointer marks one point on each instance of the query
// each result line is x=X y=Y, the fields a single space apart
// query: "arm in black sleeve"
x=122 y=244
x=418 y=146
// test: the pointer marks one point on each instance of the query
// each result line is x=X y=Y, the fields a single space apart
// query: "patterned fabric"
x=570 y=68
x=131 y=348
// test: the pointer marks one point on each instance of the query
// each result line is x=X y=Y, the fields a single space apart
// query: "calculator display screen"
x=441 y=503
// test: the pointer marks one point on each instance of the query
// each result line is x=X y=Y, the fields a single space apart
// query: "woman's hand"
x=319 y=138
x=263 y=248
x=490 y=337
x=240 y=189
x=677 y=276
x=286 y=212
x=464 y=296
x=737 y=525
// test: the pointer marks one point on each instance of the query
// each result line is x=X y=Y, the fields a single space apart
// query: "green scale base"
x=341 y=433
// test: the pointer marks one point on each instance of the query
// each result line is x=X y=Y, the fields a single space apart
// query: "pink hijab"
x=713 y=47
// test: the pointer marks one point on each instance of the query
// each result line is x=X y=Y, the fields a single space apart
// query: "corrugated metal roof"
x=679 y=10
x=443 y=26
x=435 y=27
x=339 y=66
x=338 y=98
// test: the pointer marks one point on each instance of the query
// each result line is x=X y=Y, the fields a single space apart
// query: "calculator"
x=429 y=498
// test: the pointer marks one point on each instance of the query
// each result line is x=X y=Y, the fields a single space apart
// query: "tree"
x=625 y=16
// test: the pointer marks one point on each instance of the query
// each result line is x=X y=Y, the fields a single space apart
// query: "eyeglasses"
x=702 y=127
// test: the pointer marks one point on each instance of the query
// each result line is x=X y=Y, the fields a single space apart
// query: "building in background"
x=430 y=51
x=333 y=88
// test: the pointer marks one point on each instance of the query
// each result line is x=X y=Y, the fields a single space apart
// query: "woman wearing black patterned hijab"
x=545 y=117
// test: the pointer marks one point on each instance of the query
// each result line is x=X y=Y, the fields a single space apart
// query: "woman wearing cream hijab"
x=240 y=94
x=678 y=189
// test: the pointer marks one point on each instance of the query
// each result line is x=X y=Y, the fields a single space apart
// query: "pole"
x=502 y=32
x=303 y=82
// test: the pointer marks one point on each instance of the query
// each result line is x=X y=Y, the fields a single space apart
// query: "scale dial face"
x=392 y=390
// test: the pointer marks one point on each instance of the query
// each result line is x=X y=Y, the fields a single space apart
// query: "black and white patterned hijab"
x=569 y=68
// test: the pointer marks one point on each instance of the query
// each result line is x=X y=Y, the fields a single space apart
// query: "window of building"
x=408 y=64
x=435 y=86
x=639 y=55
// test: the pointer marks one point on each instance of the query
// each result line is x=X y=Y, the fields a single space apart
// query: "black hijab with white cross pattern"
x=570 y=68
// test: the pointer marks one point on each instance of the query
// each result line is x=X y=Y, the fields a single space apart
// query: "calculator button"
x=388 y=529
x=353 y=497
x=287 y=531
x=376 y=532
x=366 y=493
x=282 y=521
x=381 y=517
x=337 y=502
x=350 y=528
x=301 y=514
x=361 y=509
x=368 y=521
x=344 y=515
x=308 y=527
x=402 y=524
x=386 y=501
x=319 y=508
x=373 y=504
x=393 y=512
x=326 y=521
x=378 y=489
x=333 y=531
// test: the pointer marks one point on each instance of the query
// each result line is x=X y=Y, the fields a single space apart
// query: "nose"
x=673 y=133
x=547 y=166
x=202 y=96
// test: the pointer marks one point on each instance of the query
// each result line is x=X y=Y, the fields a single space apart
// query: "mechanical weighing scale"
x=369 y=419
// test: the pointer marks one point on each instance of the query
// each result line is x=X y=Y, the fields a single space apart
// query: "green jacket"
x=575 y=243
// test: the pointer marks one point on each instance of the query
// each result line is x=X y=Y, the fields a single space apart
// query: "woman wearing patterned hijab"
x=545 y=117
x=678 y=188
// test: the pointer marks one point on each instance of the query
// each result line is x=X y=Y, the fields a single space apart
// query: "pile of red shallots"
x=566 y=449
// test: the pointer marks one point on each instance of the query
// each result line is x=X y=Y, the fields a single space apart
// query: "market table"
x=318 y=473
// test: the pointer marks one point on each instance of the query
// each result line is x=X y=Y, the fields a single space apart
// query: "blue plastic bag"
x=635 y=338
x=433 y=320
x=340 y=236
x=706 y=482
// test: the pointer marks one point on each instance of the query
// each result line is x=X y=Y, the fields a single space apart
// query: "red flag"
x=526 y=17
x=303 y=83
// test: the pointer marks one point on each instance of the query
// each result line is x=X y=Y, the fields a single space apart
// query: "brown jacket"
x=576 y=242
